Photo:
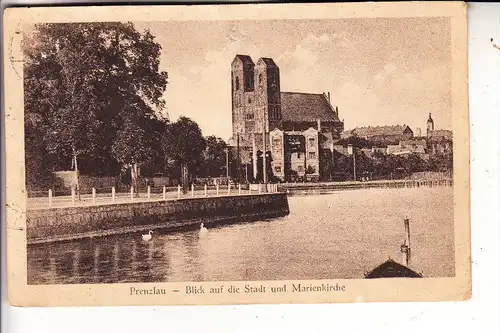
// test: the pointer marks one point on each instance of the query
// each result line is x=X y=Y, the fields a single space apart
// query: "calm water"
x=340 y=235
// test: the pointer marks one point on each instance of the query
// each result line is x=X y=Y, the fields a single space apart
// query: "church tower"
x=430 y=125
x=256 y=97
x=242 y=95
x=267 y=95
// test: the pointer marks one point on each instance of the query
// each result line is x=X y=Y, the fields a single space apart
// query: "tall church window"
x=311 y=143
x=273 y=82
x=260 y=78
x=237 y=83
x=276 y=146
x=248 y=80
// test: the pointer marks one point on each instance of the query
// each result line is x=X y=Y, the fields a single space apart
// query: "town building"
x=297 y=130
x=407 y=147
x=381 y=134
x=439 y=141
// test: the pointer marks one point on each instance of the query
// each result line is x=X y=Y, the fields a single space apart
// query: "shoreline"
x=297 y=189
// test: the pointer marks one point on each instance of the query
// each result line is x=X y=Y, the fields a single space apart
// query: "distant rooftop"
x=378 y=130
x=441 y=133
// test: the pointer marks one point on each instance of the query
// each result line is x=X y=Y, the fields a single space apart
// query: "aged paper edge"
x=357 y=290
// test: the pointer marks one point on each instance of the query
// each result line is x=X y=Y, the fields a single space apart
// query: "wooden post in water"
x=50 y=198
x=113 y=194
x=406 y=246
x=164 y=192
x=93 y=195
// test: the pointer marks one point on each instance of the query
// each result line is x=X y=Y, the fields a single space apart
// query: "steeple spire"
x=430 y=125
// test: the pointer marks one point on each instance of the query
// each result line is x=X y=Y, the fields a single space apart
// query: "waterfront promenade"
x=108 y=197
x=325 y=237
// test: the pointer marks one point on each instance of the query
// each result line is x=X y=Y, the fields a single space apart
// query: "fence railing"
x=300 y=188
x=104 y=196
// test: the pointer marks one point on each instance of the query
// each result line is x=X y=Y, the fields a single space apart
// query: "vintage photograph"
x=239 y=150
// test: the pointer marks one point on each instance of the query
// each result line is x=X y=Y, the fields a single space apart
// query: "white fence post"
x=260 y=188
x=149 y=192
x=50 y=198
x=73 y=197
x=217 y=190
x=228 y=188
x=249 y=188
x=192 y=190
x=131 y=193
x=239 y=188
x=113 y=194
x=205 y=190
x=164 y=192
x=178 y=191
x=93 y=195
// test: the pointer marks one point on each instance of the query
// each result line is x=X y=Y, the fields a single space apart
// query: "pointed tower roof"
x=245 y=59
x=268 y=61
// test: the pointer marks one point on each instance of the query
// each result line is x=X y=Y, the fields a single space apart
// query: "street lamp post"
x=352 y=151
x=354 y=162
x=227 y=164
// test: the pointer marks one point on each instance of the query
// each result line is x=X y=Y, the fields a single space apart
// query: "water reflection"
x=330 y=236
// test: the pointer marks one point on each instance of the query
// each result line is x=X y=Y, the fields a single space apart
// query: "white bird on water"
x=147 y=236
x=203 y=230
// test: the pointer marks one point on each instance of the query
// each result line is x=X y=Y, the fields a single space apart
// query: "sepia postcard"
x=237 y=154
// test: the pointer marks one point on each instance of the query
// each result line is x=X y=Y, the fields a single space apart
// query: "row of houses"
x=401 y=140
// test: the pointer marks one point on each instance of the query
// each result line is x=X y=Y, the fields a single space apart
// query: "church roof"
x=379 y=130
x=306 y=107
x=245 y=59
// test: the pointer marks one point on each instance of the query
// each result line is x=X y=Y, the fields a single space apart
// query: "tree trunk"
x=134 y=176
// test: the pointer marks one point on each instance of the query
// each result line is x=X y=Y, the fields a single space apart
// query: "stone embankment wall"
x=62 y=224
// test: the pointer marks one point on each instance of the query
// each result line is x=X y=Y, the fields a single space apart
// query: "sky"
x=378 y=71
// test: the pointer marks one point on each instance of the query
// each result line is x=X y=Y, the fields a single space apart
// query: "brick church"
x=297 y=130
